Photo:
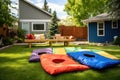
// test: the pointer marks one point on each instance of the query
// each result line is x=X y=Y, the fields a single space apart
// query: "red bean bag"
x=55 y=64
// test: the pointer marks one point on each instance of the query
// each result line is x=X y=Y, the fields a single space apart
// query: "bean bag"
x=105 y=54
x=35 y=54
x=55 y=64
x=72 y=49
x=59 y=51
x=93 y=59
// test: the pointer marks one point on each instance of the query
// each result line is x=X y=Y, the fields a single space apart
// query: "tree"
x=82 y=9
x=68 y=21
x=53 y=25
x=50 y=10
x=114 y=8
x=5 y=16
x=45 y=6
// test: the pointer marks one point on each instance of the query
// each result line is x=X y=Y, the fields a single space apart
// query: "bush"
x=21 y=35
x=7 y=41
x=19 y=40
x=117 y=41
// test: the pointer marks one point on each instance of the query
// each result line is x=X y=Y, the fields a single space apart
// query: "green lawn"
x=14 y=65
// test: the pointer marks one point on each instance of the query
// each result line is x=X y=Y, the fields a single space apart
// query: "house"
x=32 y=18
x=102 y=28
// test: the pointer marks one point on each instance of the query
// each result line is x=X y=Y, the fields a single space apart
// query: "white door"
x=26 y=26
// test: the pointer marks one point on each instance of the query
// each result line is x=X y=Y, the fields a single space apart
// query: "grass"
x=14 y=65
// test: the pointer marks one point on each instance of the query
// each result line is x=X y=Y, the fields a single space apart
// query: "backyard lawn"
x=14 y=65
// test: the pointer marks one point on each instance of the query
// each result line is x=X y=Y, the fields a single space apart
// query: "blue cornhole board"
x=93 y=59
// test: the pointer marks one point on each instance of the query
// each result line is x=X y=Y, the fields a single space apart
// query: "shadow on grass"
x=34 y=71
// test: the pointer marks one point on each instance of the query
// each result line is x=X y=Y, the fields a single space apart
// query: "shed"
x=102 y=28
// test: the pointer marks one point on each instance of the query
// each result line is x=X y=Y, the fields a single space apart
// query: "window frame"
x=98 y=30
x=39 y=23
x=116 y=24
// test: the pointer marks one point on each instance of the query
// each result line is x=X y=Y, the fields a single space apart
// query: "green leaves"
x=82 y=9
x=5 y=16
x=53 y=25
x=114 y=8
x=46 y=7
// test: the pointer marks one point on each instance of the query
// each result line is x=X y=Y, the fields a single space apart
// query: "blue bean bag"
x=93 y=59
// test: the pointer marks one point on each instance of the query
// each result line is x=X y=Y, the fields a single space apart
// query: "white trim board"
x=116 y=24
x=34 y=20
x=98 y=29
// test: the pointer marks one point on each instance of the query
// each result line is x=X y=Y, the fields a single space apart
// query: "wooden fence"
x=80 y=33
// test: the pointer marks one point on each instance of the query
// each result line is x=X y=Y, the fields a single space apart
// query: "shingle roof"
x=101 y=17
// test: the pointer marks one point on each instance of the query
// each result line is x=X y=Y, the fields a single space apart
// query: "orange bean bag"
x=55 y=64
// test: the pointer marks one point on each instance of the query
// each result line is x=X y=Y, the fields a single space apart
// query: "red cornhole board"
x=55 y=64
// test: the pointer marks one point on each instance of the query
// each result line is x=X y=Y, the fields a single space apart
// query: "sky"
x=55 y=5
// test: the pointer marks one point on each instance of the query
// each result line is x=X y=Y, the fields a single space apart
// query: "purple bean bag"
x=35 y=54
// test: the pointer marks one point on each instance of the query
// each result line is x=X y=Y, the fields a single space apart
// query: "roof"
x=100 y=17
x=38 y=8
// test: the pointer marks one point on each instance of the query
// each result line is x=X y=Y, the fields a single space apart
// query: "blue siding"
x=109 y=32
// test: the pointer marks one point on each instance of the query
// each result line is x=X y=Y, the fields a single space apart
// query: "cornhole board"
x=93 y=59
x=59 y=51
x=55 y=64
x=105 y=54
x=37 y=52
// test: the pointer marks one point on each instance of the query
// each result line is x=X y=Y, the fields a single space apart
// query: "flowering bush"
x=30 y=36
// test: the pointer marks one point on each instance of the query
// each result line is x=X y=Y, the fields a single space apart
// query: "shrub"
x=19 y=40
x=117 y=41
x=8 y=41
x=21 y=34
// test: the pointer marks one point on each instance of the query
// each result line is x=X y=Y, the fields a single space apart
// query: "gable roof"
x=100 y=17
x=37 y=8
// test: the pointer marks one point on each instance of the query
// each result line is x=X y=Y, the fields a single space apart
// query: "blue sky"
x=55 y=5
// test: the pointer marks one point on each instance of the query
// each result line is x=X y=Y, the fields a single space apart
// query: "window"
x=26 y=26
x=114 y=24
x=100 y=29
x=38 y=27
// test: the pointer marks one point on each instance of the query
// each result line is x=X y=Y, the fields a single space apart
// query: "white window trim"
x=39 y=23
x=34 y=20
x=99 y=29
x=116 y=24
x=88 y=32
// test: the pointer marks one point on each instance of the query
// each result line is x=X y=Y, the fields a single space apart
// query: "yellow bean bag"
x=59 y=51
